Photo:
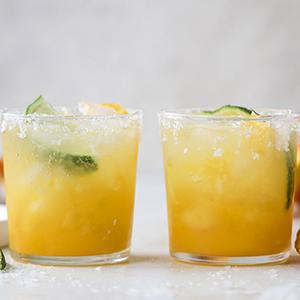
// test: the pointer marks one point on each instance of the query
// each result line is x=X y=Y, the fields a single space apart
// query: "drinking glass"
x=229 y=183
x=70 y=185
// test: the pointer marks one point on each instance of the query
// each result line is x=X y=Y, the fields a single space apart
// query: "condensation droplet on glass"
x=219 y=186
x=218 y=152
x=255 y=155
x=196 y=178
x=21 y=134
x=116 y=186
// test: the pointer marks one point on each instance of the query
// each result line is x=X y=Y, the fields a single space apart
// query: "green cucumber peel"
x=73 y=163
x=291 y=167
x=229 y=109
x=40 y=106
x=2 y=261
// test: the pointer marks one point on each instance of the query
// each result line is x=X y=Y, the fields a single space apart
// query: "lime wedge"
x=40 y=106
x=2 y=261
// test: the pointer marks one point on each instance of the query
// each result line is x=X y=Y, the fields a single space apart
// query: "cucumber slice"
x=71 y=162
x=2 y=261
x=291 y=167
x=40 y=106
x=231 y=110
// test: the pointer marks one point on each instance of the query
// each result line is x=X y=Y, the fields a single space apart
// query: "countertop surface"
x=150 y=272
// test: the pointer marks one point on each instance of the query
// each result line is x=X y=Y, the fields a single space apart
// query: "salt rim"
x=86 y=123
x=190 y=114
x=17 y=115
x=283 y=121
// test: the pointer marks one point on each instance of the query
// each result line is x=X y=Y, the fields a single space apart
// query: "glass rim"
x=189 y=113
x=17 y=115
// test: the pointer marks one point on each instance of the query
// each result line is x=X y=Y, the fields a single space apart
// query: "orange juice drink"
x=229 y=180
x=70 y=184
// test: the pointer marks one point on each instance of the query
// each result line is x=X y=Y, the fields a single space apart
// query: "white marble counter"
x=151 y=273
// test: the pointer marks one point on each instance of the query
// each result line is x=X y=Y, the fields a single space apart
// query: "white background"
x=151 y=54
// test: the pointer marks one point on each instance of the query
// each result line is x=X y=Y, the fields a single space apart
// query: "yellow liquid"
x=227 y=190
x=56 y=212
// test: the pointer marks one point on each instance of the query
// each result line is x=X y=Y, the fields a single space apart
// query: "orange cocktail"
x=70 y=184
x=229 y=183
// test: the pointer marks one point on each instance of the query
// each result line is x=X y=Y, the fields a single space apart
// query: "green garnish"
x=71 y=162
x=40 y=106
x=231 y=110
x=291 y=166
x=2 y=261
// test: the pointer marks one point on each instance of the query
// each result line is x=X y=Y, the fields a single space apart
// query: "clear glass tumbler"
x=70 y=184
x=229 y=183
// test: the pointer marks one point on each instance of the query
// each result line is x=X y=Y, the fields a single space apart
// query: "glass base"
x=92 y=260
x=232 y=261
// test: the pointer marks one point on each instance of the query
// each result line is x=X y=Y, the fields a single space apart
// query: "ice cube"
x=93 y=109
